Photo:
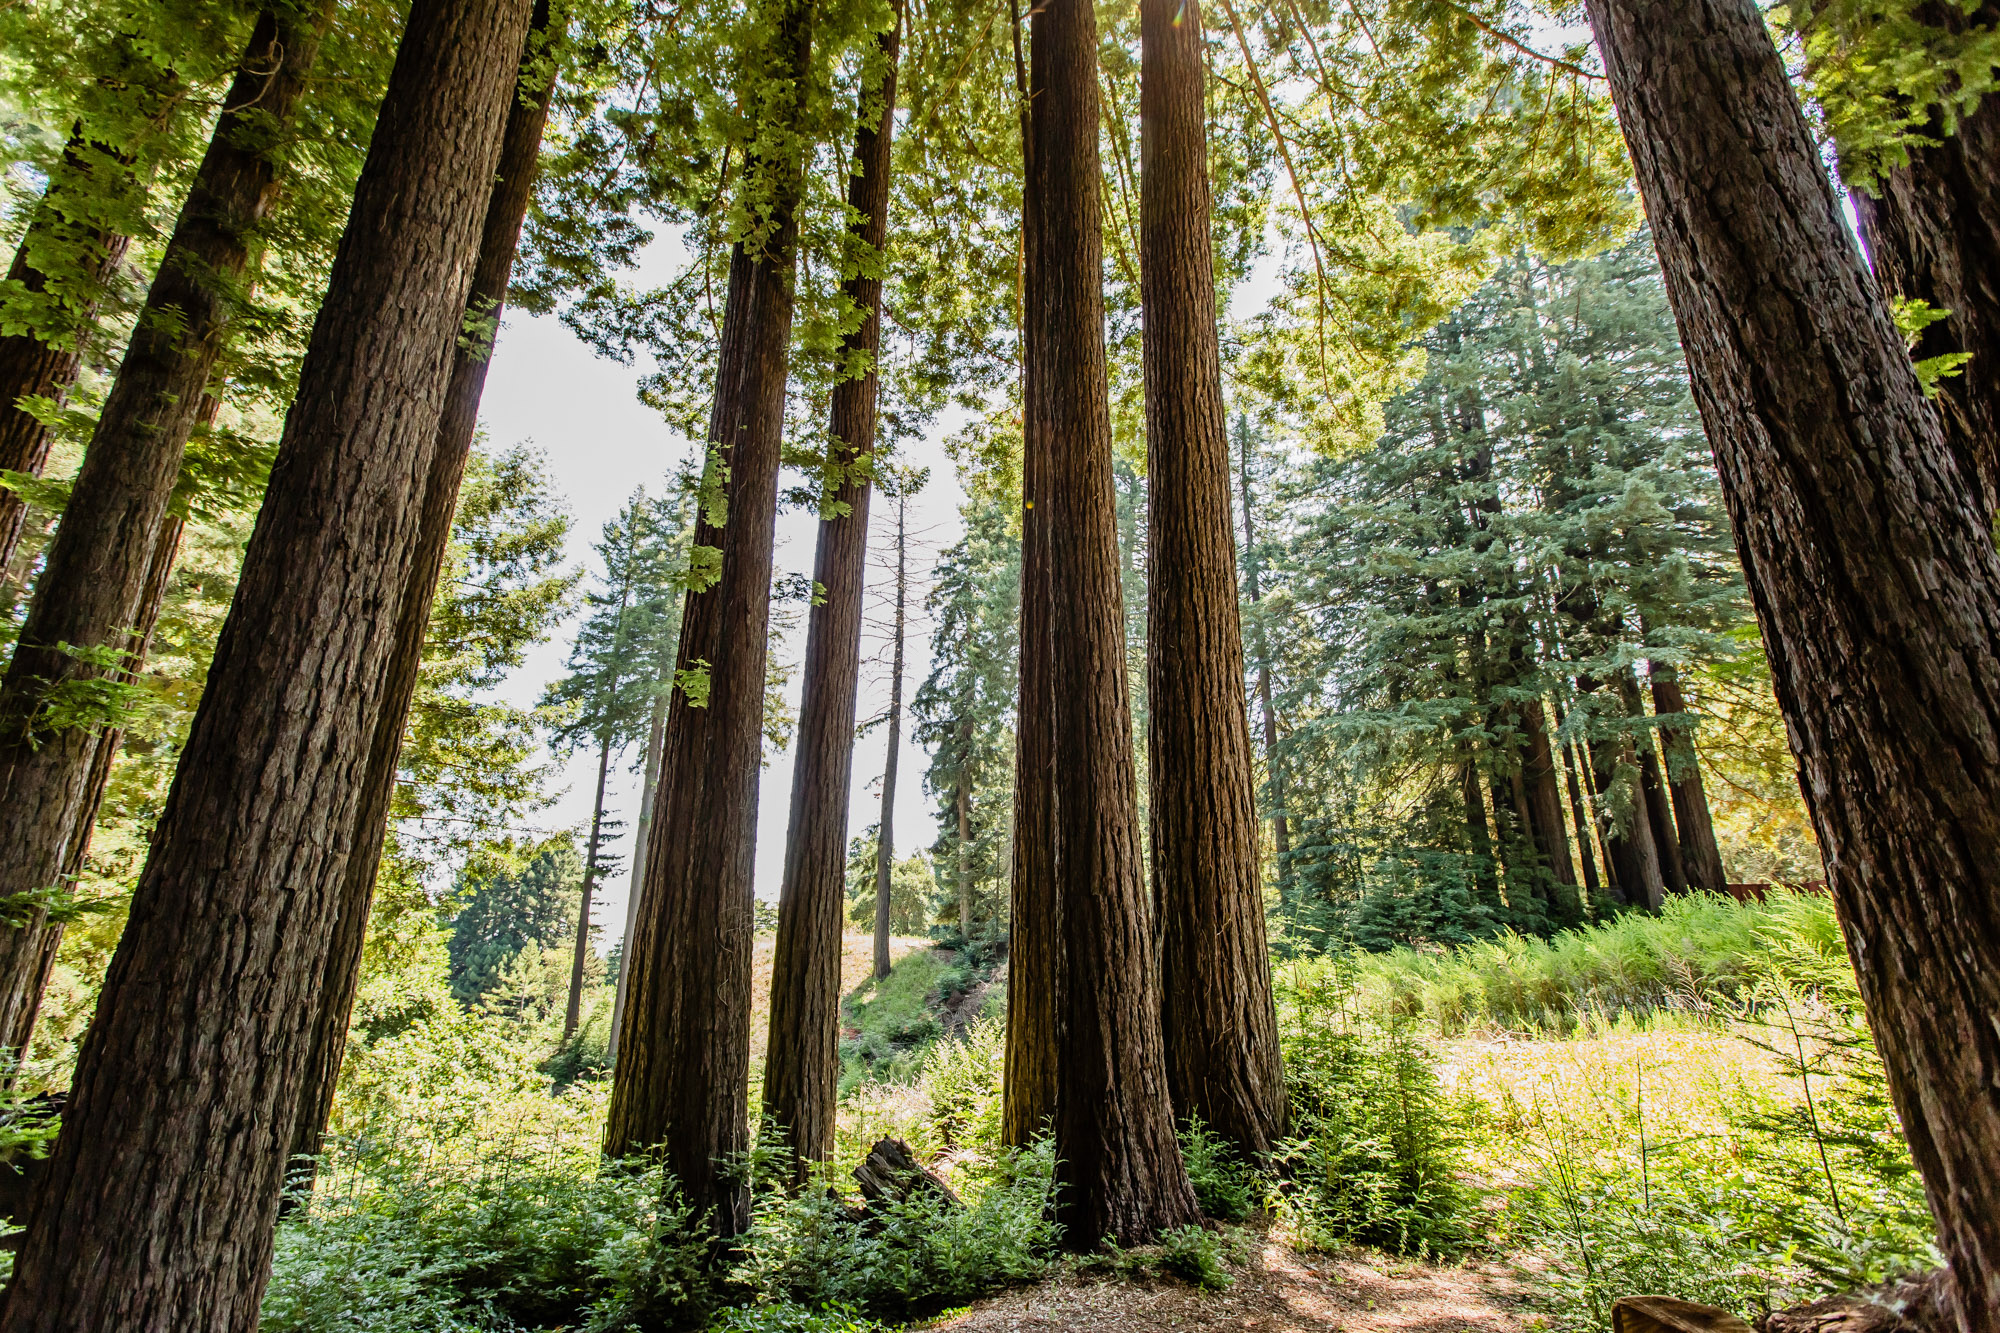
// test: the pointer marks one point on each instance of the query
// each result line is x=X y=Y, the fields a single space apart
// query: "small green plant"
x=786 y=1317
x=1224 y=1186
x=1198 y=1256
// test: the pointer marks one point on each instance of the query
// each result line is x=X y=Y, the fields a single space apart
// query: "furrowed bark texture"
x=1034 y=951
x=1121 y=1173
x=1701 y=858
x=802 y=1067
x=512 y=186
x=1545 y=814
x=1932 y=230
x=1218 y=1020
x=91 y=591
x=1868 y=556
x=641 y=839
x=158 y=1206
x=30 y=367
x=684 y=1057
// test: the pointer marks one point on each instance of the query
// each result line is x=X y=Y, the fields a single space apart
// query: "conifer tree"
x=683 y=1055
x=901 y=484
x=1218 y=1018
x=134 y=1225
x=1869 y=553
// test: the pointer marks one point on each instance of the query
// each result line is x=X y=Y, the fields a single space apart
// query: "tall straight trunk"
x=1121 y=1175
x=1870 y=559
x=1218 y=1019
x=1486 y=879
x=1545 y=815
x=1586 y=854
x=92 y=587
x=1932 y=230
x=1034 y=947
x=1659 y=813
x=1701 y=858
x=684 y=1059
x=802 y=1067
x=962 y=802
x=506 y=206
x=1281 y=833
x=1635 y=859
x=159 y=1202
x=641 y=839
x=573 y=1010
x=885 y=845
x=32 y=367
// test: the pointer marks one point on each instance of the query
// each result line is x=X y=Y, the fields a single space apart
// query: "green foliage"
x=1197 y=1255
x=786 y=1317
x=515 y=1244
x=913 y=889
x=962 y=1082
x=918 y=1254
x=526 y=900
x=889 y=1023
x=1225 y=1186
x=1378 y=1147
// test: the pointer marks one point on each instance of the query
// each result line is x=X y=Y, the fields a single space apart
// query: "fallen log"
x=890 y=1173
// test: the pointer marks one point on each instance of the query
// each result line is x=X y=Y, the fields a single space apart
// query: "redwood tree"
x=159 y=1202
x=92 y=587
x=681 y=1080
x=1121 y=1173
x=505 y=208
x=801 y=1069
x=1217 y=1016
x=1869 y=556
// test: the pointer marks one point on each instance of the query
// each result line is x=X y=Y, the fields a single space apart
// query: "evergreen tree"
x=523 y=899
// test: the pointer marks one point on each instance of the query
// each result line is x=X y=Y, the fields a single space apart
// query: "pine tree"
x=899 y=485
x=524 y=901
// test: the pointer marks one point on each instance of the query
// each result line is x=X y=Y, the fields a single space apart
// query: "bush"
x=962 y=1080
x=1225 y=1187
x=1378 y=1154
x=512 y=1244
x=921 y=1253
x=1196 y=1255
x=785 y=1317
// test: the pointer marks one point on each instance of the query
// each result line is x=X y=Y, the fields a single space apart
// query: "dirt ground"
x=1278 y=1291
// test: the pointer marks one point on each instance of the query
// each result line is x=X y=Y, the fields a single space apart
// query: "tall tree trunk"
x=1121 y=1174
x=641 y=839
x=1034 y=945
x=506 y=206
x=683 y=1062
x=1932 y=229
x=1218 y=1019
x=885 y=845
x=1701 y=858
x=158 y=1205
x=1635 y=861
x=1281 y=833
x=1580 y=816
x=92 y=587
x=1871 y=563
x=573 y=1011
x=1659 y=813
x=1545 y=815
x=31 y=367
x=963 y=803
x=802 y=1067
x=1486 y=879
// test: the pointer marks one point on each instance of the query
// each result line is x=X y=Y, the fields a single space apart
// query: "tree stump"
x=1668 y=1314
x=890 y=1173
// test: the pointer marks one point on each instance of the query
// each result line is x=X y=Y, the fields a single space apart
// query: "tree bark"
x=92 y=587
x=506 y=207
x=33 y=368
x=1659 y=813
x=1869 y=558
x=1034 y=949
x=1635 y=873
x=681 y=1080
x=802 y=1064
x=1932 y=230
x=1701 y=858
x=158 y=1207
x=885 y=844
x=1479 y=832
x=1586 y=852
x=962 y=802
x=1545 y=815
x=1121 y=1173
x=641 y=839
x=1218 y=1020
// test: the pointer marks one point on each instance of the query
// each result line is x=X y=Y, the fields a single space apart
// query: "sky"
x=547 y=389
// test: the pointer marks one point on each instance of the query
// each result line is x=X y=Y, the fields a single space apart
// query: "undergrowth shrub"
x=917 y=1254
x=962 y=1080
x=1224 y=1185
x=1196 y=1255
x=1378 y=1152
x=786 y=1317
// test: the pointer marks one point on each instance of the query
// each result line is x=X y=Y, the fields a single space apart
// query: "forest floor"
x=1279 y=1290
